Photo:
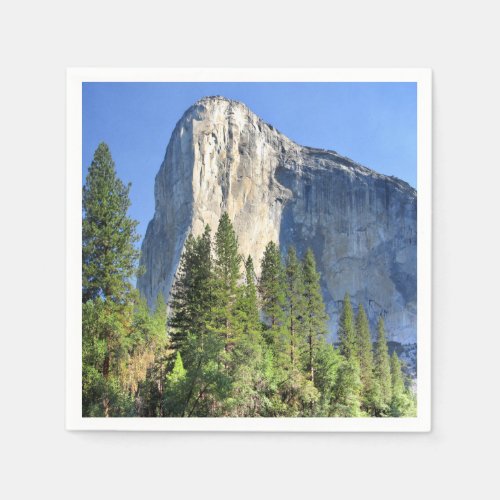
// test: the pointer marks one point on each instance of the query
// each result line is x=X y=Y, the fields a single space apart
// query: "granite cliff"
x=361 y=225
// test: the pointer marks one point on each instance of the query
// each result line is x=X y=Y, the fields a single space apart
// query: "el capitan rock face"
x=361 y=225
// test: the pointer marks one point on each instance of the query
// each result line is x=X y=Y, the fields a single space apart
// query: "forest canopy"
x=228 y=343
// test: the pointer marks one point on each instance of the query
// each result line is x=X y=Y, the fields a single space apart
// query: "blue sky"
x=374 y=124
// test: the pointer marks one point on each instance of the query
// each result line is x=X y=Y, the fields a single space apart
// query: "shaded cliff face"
x=360 y=224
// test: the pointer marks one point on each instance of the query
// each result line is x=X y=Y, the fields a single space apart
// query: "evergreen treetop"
x=109 y=255
x=192 y=297
x=315 y=317
x=226 y=278
x=272 y=286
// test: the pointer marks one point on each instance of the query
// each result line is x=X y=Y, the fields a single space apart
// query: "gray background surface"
x=458 y=41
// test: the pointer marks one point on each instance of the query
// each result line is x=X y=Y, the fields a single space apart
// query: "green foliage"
x=365 y=356
x=347 y=331
x=150 y=353
x=123 y=344
x=175 y=388
x=328 y=360
x=314 y=316
x=207 y=381
x=382 y=372
x=249 y=303
x=247 y=362
x=226 y=276
x=295 y=304
x=105 y=339
x=232 y=349
x=397 y=383
x=272 y=292
x=298 y=395
x=347 y=390
x=193 y=296
x=109 y=256
x=402 y=400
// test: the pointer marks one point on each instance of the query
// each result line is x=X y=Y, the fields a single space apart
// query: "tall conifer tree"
x=402 y=401
x=109 y=261
x=195 y=329
x=295 y=300
x=226 y=278
x=347 y=331
x=109 y=255
x=192 y=297
x=365 y=354
x=315 y=317
x=347 y=390
x=272 y=291
x=249 y=302
x=246 y=398
x=397 y=382
x=348 y=387
x=382 y=369
x=150 y=352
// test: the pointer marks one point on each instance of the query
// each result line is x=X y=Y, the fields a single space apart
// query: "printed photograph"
x=249 y=249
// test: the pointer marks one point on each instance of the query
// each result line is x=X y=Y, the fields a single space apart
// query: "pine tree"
x=347 y=390
x=246 y=357
x=226 y=278
x=315 y=317
x=382 y=370
x=402 y=401
x=328 y=361
x=365 y=354
x=249 y=302
x=192 y=298
x=109 y=261
x=295 y=301
x=194 y=325
x=347 y=331
x=397 y=383
x=109 y=257
x=272 y=291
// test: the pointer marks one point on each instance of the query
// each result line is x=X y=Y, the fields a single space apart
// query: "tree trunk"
x=105 y=404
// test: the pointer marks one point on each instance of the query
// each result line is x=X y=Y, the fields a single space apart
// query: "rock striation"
x=361 y=225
